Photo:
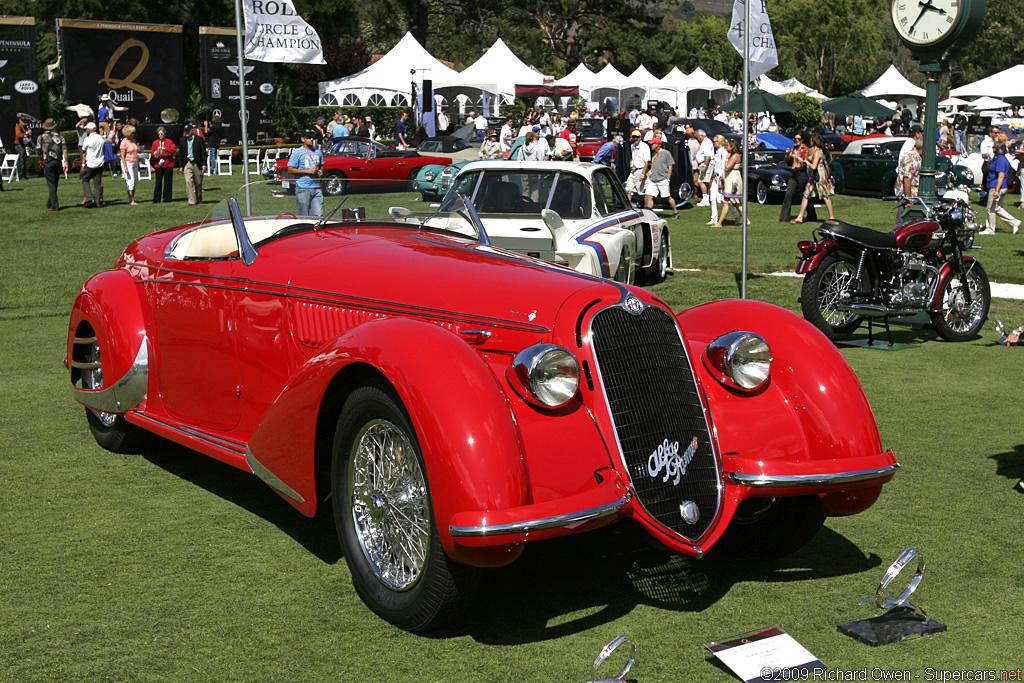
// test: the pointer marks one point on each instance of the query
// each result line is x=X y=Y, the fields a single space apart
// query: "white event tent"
x=497 y=71
x=582 y=78
x=787 y=86
x=894 y=85
x=609 y=86
x=386 y=82
x=672 y=88
x=644 y=83
x=698 y=81
x=1005 y=84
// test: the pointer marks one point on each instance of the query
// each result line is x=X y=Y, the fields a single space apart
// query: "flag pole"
x=241 y=100
x=746 y=138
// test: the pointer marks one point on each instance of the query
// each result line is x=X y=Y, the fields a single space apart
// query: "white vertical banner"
x=763 y=55
x=274 y=32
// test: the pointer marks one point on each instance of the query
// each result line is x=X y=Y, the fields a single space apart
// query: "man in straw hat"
x=54 y=154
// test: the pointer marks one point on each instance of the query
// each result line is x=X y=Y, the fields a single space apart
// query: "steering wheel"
x=282 y=215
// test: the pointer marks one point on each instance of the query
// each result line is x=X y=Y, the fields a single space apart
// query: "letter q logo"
x=26 y=87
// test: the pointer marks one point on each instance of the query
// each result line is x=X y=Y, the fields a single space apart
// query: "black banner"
x=219 y=74
x=141 y=67
x=19 y=74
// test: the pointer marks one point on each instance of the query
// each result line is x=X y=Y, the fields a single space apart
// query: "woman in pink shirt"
x=130 y=162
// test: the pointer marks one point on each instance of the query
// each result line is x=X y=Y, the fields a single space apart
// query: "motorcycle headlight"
x=957 y=214
x=545 y=374
x=740 y=360
x=428 y=175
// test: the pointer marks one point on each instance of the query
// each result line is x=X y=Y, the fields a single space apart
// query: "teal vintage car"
x=868 y=167
x=433 y=181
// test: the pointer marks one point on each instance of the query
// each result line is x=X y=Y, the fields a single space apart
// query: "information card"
x=770 y=654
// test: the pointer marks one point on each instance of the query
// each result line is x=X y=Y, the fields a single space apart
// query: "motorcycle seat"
x=863 y=236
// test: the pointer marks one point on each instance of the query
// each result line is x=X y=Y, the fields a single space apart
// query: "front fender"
x=109 y=304
x=944 y=274
x=811 y=418
x=470 y=444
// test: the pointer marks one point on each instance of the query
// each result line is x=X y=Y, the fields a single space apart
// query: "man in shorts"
x=659 y=176
x=640 y=154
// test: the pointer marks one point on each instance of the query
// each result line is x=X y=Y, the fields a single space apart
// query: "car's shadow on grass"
x=557 y=587
x=245 y=490
x=580 y=582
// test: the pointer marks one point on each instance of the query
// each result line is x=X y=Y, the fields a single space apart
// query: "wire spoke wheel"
x=389 y=504
x=963 y=305
x=824 y=290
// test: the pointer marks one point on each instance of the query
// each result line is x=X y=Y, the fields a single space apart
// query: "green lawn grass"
x=170 y=566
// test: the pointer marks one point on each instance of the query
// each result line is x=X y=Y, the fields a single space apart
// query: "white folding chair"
x=224 y=161
x=9 y=168
x=145 y=167
x=254 y=160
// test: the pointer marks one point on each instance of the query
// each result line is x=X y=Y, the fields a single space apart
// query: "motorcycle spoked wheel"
x=823 y=288
x=957 y=320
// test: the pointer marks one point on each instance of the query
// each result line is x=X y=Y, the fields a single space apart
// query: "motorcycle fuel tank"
x=919 y=234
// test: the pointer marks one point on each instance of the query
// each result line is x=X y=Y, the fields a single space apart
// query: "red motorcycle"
x=852 y=273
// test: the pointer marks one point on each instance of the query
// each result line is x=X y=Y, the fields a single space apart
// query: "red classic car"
x=465 y=400
x=354 y=163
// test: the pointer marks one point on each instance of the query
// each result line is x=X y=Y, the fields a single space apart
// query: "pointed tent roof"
x=580 y=76
x=1008 y=83
x=610 y=77
x=675 y=79
x=893 y=84
x=390 y=73
x=643 y=78
x=699 y=80
x=497 y=70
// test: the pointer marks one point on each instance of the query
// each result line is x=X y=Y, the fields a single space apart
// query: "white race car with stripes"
x=568 y=213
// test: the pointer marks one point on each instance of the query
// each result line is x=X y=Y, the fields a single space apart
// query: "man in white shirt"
x=480 y=122
x=916 y=132
x=543 y=152
x=644 y=121
x=640 y=154
x=543 y=121
x=705 y=169
x=988 y=143
x=92 y=168
x=763 y=123
x=506 y=135
x=736 y=124
x=442 y=122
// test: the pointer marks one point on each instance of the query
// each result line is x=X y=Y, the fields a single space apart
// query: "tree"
x=705 y=43
x=836 y=46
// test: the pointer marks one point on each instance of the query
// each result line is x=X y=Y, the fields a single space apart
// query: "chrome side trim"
x=125 y=393
x=768 y=480
x=269 y=478
x=544 y=522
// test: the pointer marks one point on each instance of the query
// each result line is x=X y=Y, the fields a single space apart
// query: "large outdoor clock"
x=930 y=27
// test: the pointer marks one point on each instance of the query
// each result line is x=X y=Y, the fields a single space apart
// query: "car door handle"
x=357 y=168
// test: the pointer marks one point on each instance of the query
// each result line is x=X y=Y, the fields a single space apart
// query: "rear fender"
x=808 y=264
x=470 y=444
x=945 y=272
x=109 y=305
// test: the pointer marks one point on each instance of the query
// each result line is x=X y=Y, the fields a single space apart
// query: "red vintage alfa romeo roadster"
x=452 y=401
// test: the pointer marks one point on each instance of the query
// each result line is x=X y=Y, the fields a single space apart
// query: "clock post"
x=932 y=29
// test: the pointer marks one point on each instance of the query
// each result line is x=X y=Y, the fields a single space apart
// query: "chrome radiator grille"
x=658 y=417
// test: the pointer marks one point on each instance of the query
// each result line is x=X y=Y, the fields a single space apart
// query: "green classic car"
x=868 y=167
x=433 y=181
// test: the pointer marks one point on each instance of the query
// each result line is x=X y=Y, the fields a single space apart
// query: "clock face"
x=924 y=22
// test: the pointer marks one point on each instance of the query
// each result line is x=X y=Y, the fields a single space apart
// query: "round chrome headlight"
x=428 y=175
x=741 y=360
x=545 y=374
x=777 y=181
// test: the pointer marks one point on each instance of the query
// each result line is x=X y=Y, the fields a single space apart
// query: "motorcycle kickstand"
x=888 y=334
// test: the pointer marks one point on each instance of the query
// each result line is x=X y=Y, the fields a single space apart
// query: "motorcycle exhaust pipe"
x=875 y=310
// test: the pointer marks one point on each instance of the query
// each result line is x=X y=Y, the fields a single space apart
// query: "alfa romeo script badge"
x=633 y=305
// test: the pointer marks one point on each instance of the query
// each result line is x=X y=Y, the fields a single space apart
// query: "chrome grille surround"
x=654 y=403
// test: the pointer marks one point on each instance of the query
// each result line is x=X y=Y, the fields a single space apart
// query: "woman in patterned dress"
x=819 y=182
